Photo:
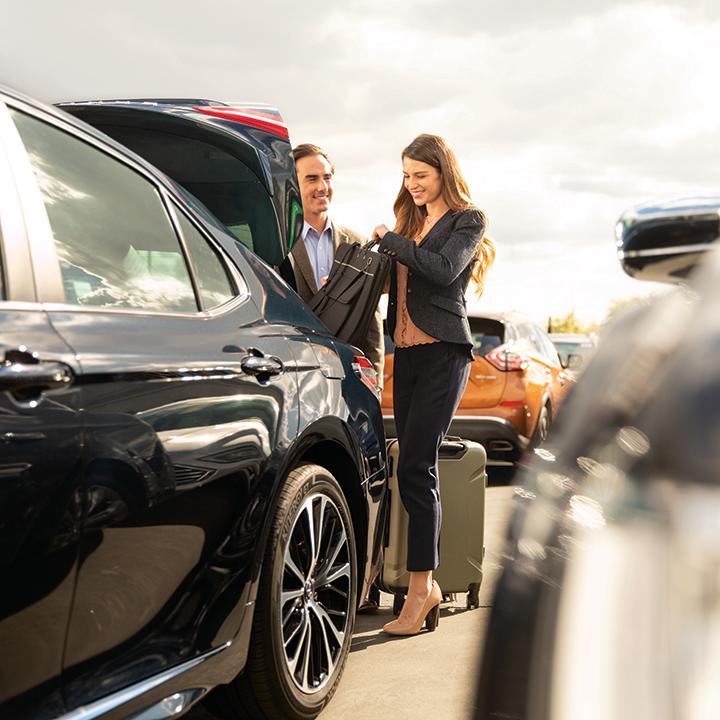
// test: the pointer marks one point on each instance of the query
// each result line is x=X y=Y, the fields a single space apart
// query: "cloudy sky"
x=563 y=112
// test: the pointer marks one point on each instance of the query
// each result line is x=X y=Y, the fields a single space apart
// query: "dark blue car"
x=192 y=471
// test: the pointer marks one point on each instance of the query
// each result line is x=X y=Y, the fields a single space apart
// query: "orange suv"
x=516 y=384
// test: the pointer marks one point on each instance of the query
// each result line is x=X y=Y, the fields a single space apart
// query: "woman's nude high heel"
x=429 y=616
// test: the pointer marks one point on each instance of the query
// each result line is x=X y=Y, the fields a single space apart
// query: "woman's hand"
x=379 y=232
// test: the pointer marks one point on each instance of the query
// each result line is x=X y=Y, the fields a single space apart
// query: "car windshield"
x=486 y=335
x=565 y=349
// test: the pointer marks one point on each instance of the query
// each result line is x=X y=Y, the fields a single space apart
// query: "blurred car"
x=574 y=349
x=515 y=387
x=192 y=472
x=608 y=605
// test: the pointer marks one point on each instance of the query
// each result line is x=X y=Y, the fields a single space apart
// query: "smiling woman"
x=438 y=245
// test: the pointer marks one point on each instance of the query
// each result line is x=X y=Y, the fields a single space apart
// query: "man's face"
x=315 y=176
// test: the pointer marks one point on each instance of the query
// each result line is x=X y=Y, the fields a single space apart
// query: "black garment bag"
x=347 y=302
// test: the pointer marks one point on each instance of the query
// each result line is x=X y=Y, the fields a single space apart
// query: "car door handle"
x=18 y=437
x=21 y=372
x=262 y=365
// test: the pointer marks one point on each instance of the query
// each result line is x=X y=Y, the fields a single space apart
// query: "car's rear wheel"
x=305 y=610
x=543 y=427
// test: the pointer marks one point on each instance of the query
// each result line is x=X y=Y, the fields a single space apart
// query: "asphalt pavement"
x=430 y=675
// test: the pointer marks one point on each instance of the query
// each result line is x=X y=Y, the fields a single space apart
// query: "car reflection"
x=203 y=435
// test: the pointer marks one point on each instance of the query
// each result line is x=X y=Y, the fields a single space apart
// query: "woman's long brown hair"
x=410 y=218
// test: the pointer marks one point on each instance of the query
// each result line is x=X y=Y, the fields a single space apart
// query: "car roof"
x=213 y=112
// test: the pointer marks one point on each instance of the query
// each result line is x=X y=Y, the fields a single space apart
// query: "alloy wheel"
x=315 y=598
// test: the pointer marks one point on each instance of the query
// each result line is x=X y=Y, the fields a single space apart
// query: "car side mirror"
x=664 y=242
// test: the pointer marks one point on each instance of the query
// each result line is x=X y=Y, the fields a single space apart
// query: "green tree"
x=570 y=323
x=620 y=305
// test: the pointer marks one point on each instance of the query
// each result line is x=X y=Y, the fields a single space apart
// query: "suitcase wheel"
x=398 y=600
x=473 y=596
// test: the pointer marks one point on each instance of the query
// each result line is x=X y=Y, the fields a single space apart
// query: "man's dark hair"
x=310 y=150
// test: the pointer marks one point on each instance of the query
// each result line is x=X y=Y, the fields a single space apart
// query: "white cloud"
x=562 y=113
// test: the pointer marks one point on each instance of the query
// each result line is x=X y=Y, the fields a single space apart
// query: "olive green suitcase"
x=463 y=479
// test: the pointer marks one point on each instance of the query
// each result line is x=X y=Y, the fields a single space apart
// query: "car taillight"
x=505 y=359
x=366 y=372
x=264 y=121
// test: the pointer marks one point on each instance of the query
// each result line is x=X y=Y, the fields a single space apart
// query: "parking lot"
x=431 y=672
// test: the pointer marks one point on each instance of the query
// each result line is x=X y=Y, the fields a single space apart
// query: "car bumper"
x=503 y=443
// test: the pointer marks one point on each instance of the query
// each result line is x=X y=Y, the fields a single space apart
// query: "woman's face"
x=422 y=181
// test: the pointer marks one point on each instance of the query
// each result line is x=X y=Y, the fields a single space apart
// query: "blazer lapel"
x=447 y=217
x=299 y=252
x=338 y=237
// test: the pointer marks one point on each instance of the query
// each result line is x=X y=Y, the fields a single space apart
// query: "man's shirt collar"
x=307 y=227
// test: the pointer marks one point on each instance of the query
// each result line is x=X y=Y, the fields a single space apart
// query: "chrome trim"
x=499 y=463
x=673 y=250
x=112 y=702
x=231 y=304
x=489 y=418
x=484 y=418
x=21 y=305
x=204 y=315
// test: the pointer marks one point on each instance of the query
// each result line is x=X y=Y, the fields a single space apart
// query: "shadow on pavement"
x=372 y=623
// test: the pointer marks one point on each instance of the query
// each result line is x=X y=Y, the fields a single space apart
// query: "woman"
x=438 y=245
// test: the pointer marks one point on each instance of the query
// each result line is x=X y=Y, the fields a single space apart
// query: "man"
x=313 y=253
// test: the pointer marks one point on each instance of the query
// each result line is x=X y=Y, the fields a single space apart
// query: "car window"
x=212 y=278
x=566 y=348
x=548 y=349
x=2 y=268
x=486 y=334
x=225 y=185
x=538 y=339
x=114 y=239
x=527 y=333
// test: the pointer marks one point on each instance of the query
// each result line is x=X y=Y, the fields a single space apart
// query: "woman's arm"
x=444 y=266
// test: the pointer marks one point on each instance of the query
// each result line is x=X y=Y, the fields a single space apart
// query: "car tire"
x=542 y=427
x=305 y=610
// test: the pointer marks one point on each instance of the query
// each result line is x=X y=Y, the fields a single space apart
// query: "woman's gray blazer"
x=439 y=270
